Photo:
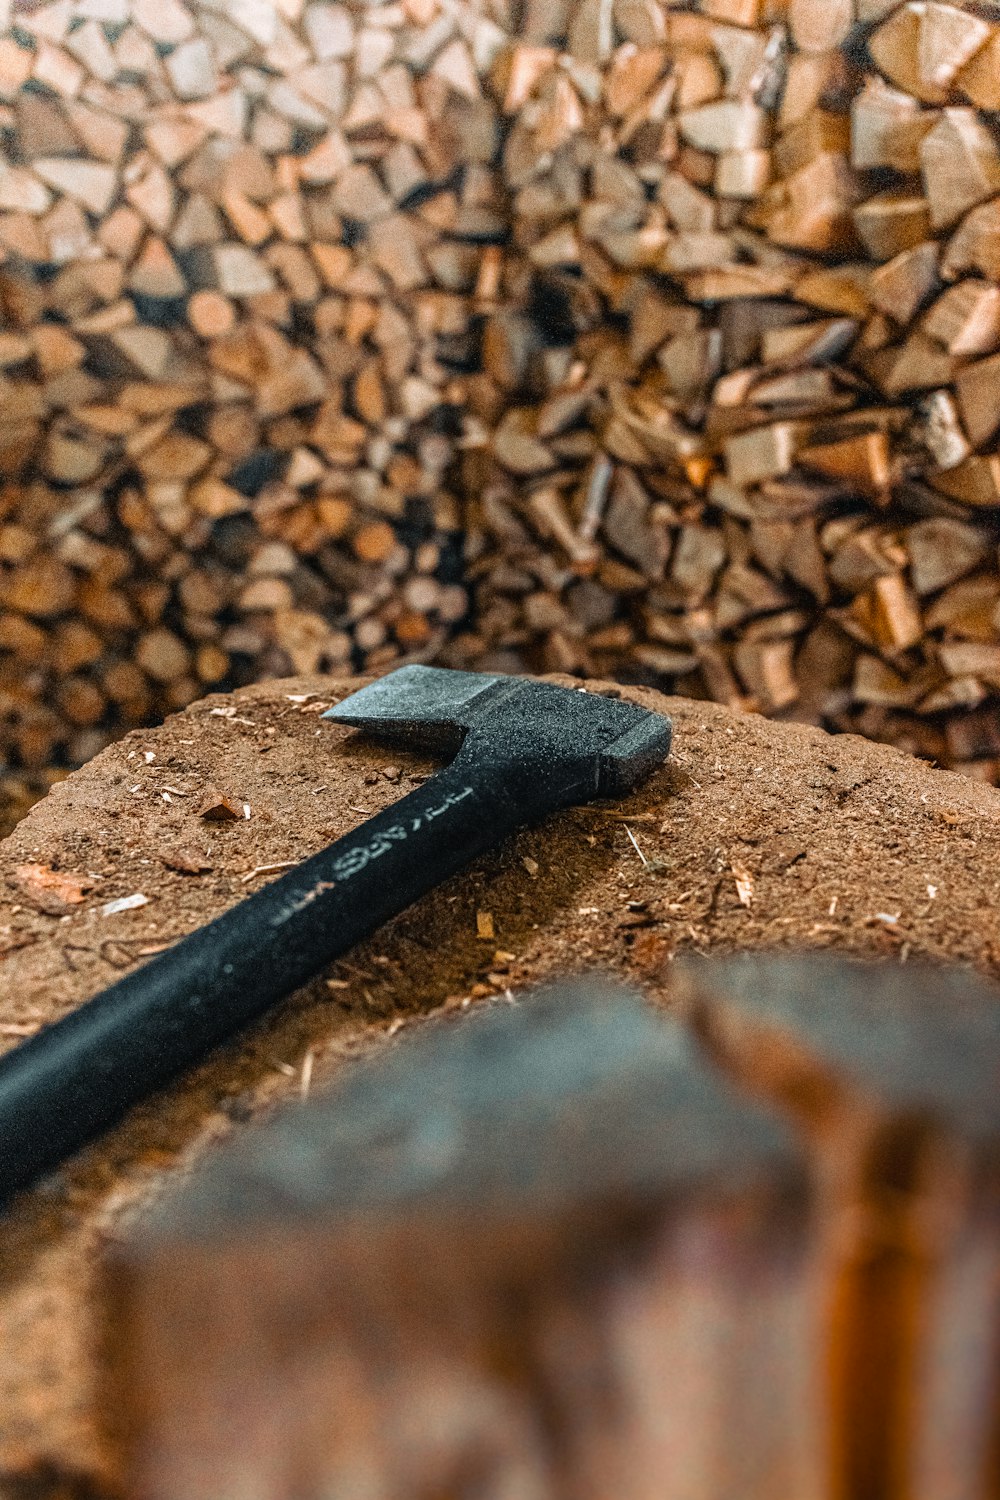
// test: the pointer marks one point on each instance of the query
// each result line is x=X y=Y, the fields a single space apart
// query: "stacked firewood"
x=666 y=339
x=239 y=246
x=741 y=393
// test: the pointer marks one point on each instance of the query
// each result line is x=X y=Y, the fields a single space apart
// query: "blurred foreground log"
x=540 y=1253
x=562 y=1251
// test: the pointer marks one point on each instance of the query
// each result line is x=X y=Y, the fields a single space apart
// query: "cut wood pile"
x=666 y=339
x=226 y=415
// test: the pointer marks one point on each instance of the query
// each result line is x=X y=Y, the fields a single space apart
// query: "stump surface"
x=755 y=834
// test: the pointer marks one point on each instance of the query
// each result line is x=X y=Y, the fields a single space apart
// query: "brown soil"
x=832 y=842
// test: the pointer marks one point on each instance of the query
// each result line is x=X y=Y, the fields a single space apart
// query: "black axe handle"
x=79 y=1076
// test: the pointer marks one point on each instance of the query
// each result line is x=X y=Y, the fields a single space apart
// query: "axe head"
x=511 y=718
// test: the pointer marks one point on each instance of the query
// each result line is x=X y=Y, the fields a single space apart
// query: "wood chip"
x=124 y=903
x=217 y=807
x=187 y=860
x=744 y=883
x=54 y=892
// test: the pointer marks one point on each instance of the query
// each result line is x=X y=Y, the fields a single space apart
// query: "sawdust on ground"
x=756 y=834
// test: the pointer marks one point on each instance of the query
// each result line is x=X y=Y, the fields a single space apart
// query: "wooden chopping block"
x=755 y=834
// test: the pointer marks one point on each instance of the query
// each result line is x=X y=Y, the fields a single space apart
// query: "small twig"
x=281 y=864
x=352 y=969
x=635 y=846
x=106 y=950
x=307 y=1073
x=69 y=948
x=620 y=814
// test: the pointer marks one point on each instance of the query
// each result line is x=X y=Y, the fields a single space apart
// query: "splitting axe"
x=517 y=750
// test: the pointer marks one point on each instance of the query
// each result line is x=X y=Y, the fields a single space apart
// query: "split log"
x=890 y=1074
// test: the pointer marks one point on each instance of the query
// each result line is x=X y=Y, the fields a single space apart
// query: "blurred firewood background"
x=606 y=337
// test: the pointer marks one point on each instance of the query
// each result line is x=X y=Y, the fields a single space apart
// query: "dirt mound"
x=755 y=834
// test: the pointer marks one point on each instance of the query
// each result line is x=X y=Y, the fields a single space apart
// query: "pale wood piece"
x=942 y=430
x=903 y=284
x=763 y=453
x=895 y=48
x=887 y=127
x=211 y=314
x=729 y=125
x=975 y=245
x=979 y=79
x=91 y=184
x=960 y=160
x=766 y=669
x=966 y=318
x=978 y=391
x=949 y=38
x=892 y=222
x=820 y=28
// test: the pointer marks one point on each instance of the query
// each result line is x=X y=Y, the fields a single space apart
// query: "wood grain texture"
x=891 y=1075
